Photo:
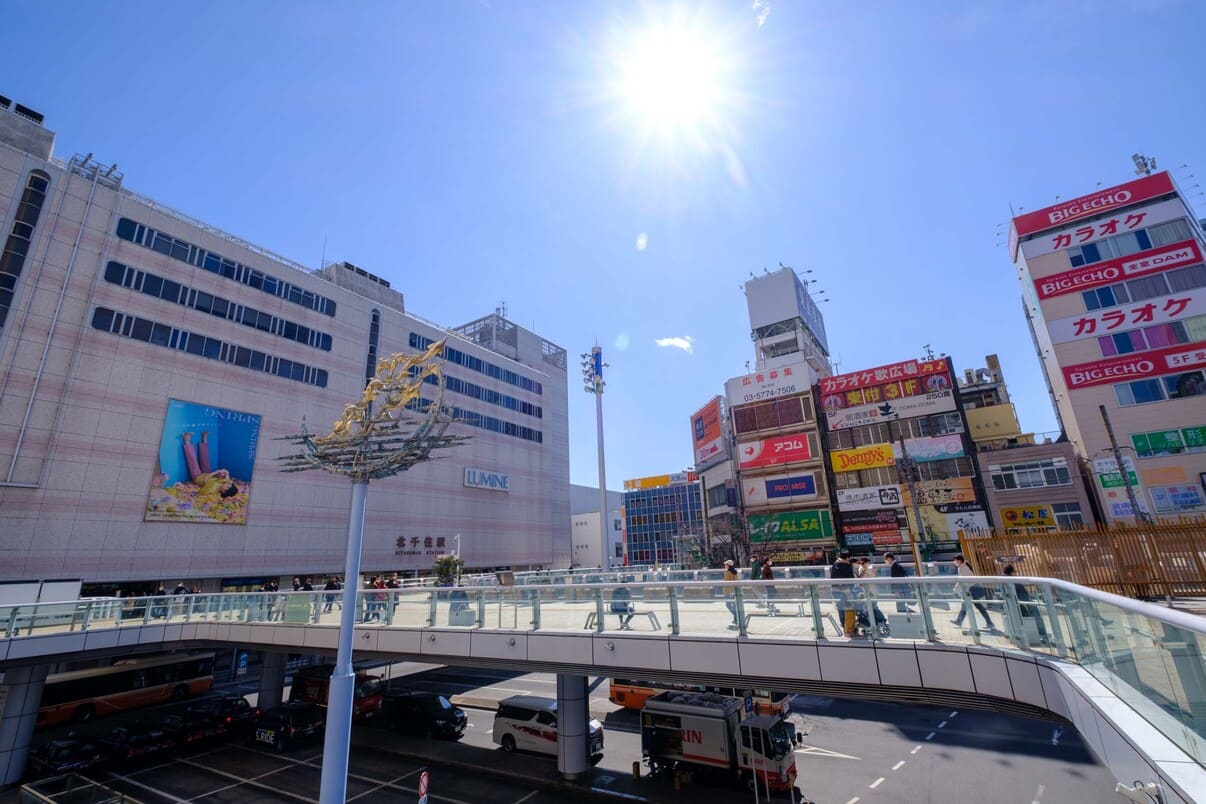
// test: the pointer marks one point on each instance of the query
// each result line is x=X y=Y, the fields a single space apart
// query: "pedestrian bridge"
x=1129 y=675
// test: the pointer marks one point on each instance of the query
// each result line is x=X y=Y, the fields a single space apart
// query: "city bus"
x=80 y=695
x=632 y=693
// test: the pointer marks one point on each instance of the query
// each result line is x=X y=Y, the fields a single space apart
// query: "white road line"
x=390 y=783
x=147 y=787
x=525 y=798
x=898 y=765
x=952 y=714
x=1038 y=794
x=943 y=723
x=876 y=783
x=930 y=736
x=249 y=782
x=233 y=785
x=915 y=749
x=854 y=800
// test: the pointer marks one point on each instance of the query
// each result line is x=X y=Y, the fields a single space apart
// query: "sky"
x=613 y=172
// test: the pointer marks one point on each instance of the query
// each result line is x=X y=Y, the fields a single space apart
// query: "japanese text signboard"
x=1028 y=516
x=707 y=434
x=790 y=527
x=1160 y=310
x=1095 y=203
x=1124 y=221
x=923 y=405
x=885 y=374
x=1121 y=269
x=769 y=384
x=873 y=521
x=1137 y=366
x=869 y=497
x=773 y=451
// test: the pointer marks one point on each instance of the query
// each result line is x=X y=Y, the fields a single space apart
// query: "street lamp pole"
x=592 y=378
x=906 y=468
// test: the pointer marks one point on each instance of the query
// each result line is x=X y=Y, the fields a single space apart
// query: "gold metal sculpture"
x=389 y=429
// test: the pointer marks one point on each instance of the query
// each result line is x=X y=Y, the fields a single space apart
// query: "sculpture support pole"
x=333 y=789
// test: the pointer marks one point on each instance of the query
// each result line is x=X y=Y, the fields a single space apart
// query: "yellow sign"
x=874 y=456
x=994 y=421
x=657 y=481
x=1164 y=475
x=1028 y=516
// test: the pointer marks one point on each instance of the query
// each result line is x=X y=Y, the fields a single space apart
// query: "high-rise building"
x=663 y=519
x=777 y=451
x=1032 y=484
x=148 y=361
x=1114 y=288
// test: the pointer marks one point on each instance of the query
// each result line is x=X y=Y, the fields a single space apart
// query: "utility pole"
x=592 y=378
x=906 y=469
x=1122 y=470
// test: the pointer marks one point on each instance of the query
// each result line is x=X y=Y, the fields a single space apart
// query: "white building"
x=584 y=508
x=148 y=362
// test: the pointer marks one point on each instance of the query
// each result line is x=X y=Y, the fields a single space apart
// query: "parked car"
x=69 y=754
x=529 y=723
x=232 y=710
x=135 y=740
x=425 y=713
x=185 y=729
x=284 y=726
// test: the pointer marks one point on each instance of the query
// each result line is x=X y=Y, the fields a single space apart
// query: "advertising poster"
x=779 y=489
x=206 y=457
x=941 y=492
x=707 y=434
x=768 y=384
x=1028 y=516
x=941 y=401
x=872 y=521
x=774 y=451
x=873 y=456
x=869 y=498
x=937 y=448
x=791 y=527
x=948 y=523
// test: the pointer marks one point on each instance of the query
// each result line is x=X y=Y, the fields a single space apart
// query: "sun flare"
x=669 y=79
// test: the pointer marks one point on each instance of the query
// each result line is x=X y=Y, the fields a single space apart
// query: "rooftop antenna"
x=1144 y=165
x=501 y=309
x=323 y=262
x=929 y=353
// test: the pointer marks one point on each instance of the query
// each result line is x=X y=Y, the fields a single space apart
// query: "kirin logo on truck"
x=693 y=736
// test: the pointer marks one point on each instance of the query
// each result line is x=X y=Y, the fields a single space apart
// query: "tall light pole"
x=592 y=378
x=906 y=469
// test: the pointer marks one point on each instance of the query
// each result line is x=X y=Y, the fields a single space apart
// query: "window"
x=1172 y=232
x=1183 y=386
x=472 y=363
x=1068 y=516
x=718 y=496
x=772 y=415
x=1186 y=278
x=1105 y=297
x=1139 y=392
x=1031 y=474
x=20 y=237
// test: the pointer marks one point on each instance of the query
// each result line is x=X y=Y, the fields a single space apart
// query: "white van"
x=529 y=723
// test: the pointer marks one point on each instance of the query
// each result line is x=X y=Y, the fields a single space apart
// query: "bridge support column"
x=573 y=726
x=22 y=695
x=272 y=680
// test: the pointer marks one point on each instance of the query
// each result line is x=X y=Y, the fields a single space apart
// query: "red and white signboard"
x=1107 y=273
x=1136 y=315
x=773 y=451
x=882 y=374
x=1095 y=203
x=1138 y=366
x=909 y=406
x=1128 y=220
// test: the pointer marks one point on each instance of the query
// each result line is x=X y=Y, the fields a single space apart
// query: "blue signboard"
x=796 y=486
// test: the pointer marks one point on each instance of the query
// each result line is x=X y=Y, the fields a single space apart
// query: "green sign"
x=791 y=527
x=1194 y=436
x=1113 y=480
x=1158 y=442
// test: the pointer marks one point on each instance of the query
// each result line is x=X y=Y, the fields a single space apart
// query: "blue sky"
x=480 y=152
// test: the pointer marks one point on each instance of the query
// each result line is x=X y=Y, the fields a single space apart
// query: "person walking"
x=1027 y=605
x=768 y=574
x=329 y=599
x=977 y=593
x=730 y=576
x=842 y=569
x=756 y=573
x=900 y=590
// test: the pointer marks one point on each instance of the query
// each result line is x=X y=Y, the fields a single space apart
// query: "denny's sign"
x=874 y=456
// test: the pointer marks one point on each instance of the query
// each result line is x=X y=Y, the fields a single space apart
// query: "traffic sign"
x=424 y=783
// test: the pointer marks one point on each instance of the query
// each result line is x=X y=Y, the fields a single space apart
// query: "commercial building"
x=585 y=531
x=712 y=441
x=899 y=448
x=1114 y=288
x=663 y=519
x=1031 y=484
x=777 y=454
x=149 y=362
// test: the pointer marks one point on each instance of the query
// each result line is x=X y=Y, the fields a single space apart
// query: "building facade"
x=1031 y=484
x=149 y=362
x=1114 y=288
x=899 y=448
x=663 y=519
x=585 y=534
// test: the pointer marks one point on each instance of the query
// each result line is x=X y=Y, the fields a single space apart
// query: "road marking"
x=812 y=750
x=1038 y=794
x=853 y=800
x=943 y=723
x=236 y=784
x=898 y=765
x=952 y=714
x=930 y=736
x=915 y=749
x=876 y=783
x=249 y=782
x=525 y=798
x=390 y=783
x=147 y=787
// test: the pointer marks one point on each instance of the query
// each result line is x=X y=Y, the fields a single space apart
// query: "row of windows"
x=1129 y=243
x=140 y=329
x=772 y=415
x=217 y=264
x=475 y=419
x=166 y=289
x=16 y=248
x=472 y=363
x=669 y=499
x=890 y=475
x=1188 y=330
x=890 y=432
x=370 y=360
x=1159 y=389
x=1030 y=474
x=1146 y=287
x=670 y=518
x=459 y=386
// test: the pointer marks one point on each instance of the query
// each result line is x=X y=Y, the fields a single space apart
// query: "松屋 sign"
x=481 y=479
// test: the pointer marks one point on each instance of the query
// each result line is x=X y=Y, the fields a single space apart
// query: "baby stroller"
x=863 y=622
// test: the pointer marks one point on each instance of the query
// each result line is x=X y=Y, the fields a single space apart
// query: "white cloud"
x=621 y=342
x=762 y=9
x=686 y=343
x=642 y=241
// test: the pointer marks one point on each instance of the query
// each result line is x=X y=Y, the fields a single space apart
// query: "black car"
x=284 y=726
x=60 y=756
x=427 y=713
x=135 y=740
x=188 y=729
x=233 y=711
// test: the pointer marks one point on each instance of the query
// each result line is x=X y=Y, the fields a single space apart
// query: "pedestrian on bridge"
x=843 y=569
x=730 y=576
x=978 y=593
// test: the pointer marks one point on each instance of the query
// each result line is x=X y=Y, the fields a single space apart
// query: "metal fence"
x=1161 y=560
